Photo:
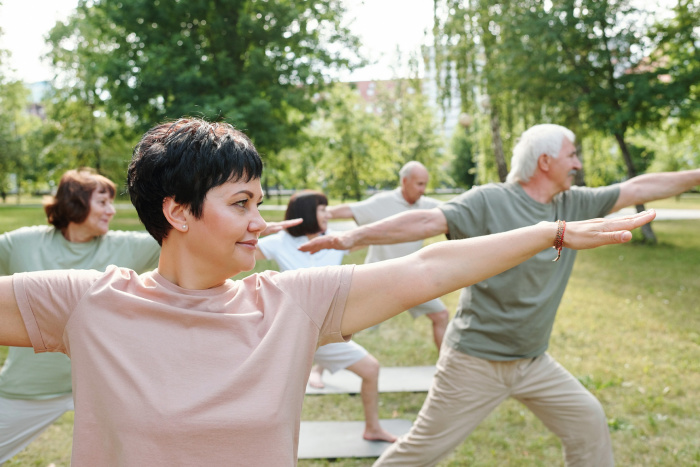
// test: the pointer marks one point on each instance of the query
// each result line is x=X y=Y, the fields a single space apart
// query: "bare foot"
x=316 y=377
x=378 y=435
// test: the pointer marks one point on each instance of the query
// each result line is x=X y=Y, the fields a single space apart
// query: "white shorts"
x=433 y=306
x=23 y=420
x=339 y=355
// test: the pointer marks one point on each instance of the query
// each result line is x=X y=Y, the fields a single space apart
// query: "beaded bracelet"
x=559 y=239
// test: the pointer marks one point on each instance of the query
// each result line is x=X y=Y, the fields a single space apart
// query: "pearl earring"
x=184 y=226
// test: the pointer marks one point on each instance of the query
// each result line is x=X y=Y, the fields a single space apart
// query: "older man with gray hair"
x=496 y=345
x=409 y=196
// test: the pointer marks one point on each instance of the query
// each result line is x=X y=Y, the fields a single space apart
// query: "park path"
x=661 y=215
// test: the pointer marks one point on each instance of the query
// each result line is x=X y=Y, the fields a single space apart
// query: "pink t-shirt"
x=168 y=376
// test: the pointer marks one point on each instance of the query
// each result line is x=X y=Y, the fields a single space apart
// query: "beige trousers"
x=466 y=389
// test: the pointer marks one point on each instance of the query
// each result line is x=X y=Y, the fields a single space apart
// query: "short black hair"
x=184 y=159
x=304 y=204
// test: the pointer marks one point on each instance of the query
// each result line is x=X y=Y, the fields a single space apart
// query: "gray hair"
x=407 y=168
x=541 y=139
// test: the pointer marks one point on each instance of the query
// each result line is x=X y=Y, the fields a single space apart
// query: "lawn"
x=628 y=328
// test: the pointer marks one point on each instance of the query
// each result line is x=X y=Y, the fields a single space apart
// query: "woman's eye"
x=241 y=203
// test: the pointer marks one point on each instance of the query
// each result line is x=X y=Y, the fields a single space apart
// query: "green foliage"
x=19 y=138
x=79 y=130
x=411 y=123
x=359 y=152
x=352 y=145
x=676 y=147
x=248 y=62
x=595 y=66
x=463 y=167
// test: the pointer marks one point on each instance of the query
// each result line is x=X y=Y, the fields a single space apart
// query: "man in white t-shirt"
x=408 y=196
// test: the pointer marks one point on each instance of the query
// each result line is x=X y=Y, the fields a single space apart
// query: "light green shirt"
x=26 y=375
x=383 y=205
x=510 y=316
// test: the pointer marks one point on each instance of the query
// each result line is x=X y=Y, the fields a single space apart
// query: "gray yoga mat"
x=330 y=440
x=391 y=379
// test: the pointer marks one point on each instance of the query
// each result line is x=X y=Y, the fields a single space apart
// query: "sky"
x=381 y=24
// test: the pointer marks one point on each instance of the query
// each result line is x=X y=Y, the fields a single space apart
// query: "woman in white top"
x=184 y=366
x=283 y=247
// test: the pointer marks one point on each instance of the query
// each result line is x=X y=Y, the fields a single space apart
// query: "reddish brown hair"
x=72 y=200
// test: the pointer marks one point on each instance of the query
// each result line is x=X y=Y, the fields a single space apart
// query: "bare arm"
x=341 y=211
x=274 y=227
x=383 y=289
x=12 y=329
x=650 y=187
x=404 y=227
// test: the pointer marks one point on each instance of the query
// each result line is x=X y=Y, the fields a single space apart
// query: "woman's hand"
x=274 y=227
x=334 y=241
x=582 y=235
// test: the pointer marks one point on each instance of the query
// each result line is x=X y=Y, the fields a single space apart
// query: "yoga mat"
x=330 y=440
x=391 y=379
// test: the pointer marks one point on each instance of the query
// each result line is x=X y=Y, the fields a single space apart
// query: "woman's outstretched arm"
x=12 y=329
x=384 y=289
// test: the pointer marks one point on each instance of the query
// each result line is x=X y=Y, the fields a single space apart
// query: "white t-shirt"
x=386 y=204
x=167 y=376
x=284 y=249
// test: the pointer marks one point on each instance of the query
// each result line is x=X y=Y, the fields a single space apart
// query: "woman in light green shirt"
x=35 y=389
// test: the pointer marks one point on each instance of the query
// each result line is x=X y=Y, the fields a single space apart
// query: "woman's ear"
x=176 y=214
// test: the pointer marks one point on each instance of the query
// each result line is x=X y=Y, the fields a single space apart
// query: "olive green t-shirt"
x=26 y=375
x=510 y=316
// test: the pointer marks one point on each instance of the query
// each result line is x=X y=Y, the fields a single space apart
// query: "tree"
x=359 y=153
x=593 y=65
x=463 y=168
x=80 y=131
x=412 y=127
x=251 y=63
x=19 y=132
x=614 y=54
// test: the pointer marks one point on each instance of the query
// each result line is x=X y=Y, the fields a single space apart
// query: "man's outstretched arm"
x=383 y=289
x=341 y=211
x=650 y=187
x=404 y=227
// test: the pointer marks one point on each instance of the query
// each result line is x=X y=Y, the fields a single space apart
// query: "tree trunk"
x=498 y=144
x=646 y=229
x=266 y=187
x=580 y=179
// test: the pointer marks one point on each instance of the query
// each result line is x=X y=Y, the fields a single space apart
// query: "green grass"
x=628 y=328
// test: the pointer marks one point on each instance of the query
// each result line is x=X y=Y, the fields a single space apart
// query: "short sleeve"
x=366 y=212
x=322 y=293
x=587 y=203
x=268 y=245
x=464 y=214
x=46 y=300
x=5 y=253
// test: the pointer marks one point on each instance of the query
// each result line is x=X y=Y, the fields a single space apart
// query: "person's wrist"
x=559 y=238
x=549 y=230
x=351 y=238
